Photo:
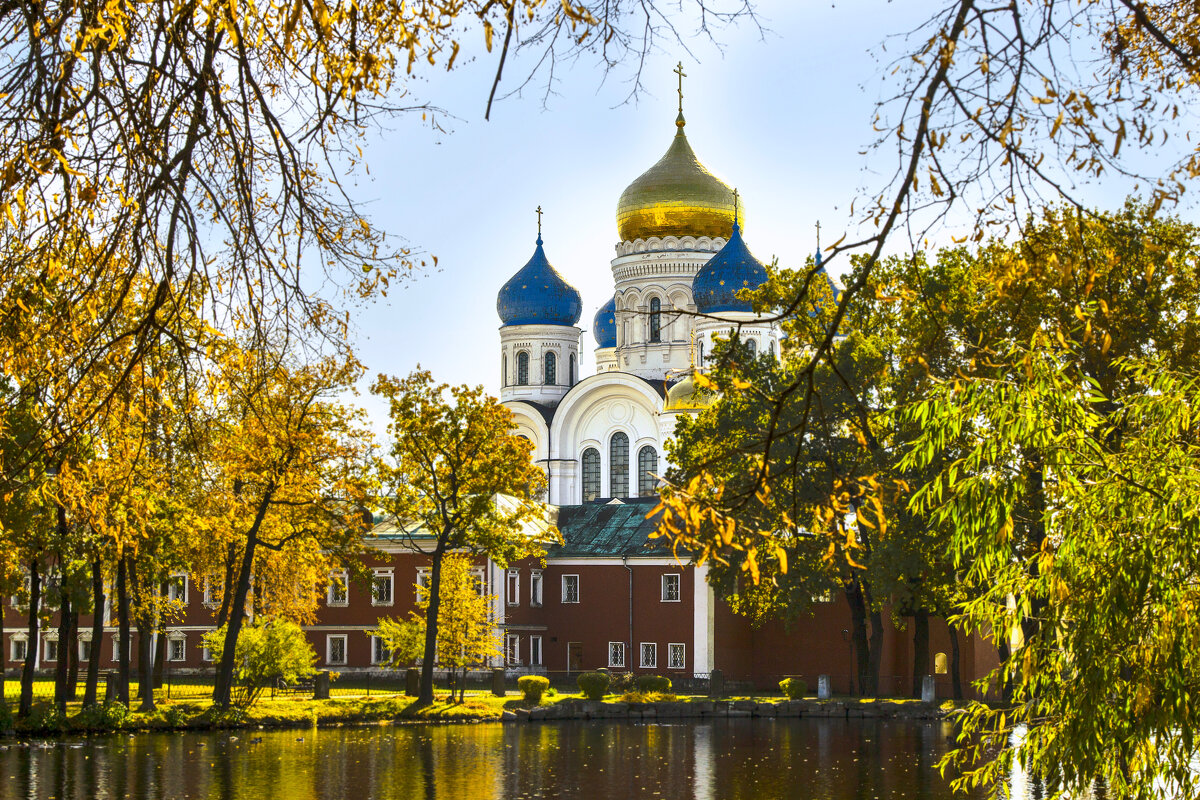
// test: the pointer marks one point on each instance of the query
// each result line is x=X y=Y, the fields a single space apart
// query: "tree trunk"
x=62 y=665
x=160 y=662
x=858 y=615
x=227 y=586
x=425 y=697
x=876 y=655
x=124 y=637
x=1004 y=653
x=91 y=691
x=145 y=632
x=955 y=664
x=920 y=649
x=73 y=664
x=223 y=686
x=33 y=641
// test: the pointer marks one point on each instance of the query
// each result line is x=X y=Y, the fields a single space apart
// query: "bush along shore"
x=46 y=720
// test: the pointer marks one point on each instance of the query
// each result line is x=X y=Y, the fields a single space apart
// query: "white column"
x=702 y=627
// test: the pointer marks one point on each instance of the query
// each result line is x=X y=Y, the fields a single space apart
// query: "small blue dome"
x=716 y=285
x=604 y=326
x=538 y=295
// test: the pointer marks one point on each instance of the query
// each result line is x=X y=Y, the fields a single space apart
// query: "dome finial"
x=735 y=207
x=539 y=213
x=818 y=243
x=679 y=121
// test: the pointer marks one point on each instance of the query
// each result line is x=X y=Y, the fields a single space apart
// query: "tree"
x=457 y=480
x=289 y=479
x=268 y=651
x=467 y=635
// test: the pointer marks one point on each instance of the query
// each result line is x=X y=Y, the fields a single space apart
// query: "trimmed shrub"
x=794 y=688
x=622 y=682
x=532 y=688
x=593 y=684
x=653 y=683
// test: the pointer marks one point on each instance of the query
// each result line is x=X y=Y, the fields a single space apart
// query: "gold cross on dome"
x=818 y=235
x=679 y=71
x=735 y=206
x=539 y=213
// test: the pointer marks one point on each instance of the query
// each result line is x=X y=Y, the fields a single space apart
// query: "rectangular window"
x=177 y=588
x=422 y=583
x=535 y=651
x=513 y=587
x=379 y=652
x=205 y=654
x=670 y=588
x=649 y=655
x=616 y=654
x=335 y=649
x=570 y=588
x=210 y=599
x=381 y=587
x=116 y=640
x=176 y=648
x=512 y=650
x=676 y=656
x=85 y=649
x=338 y=591
x=535 y=587
x=480 y=581
x=51 y=650
x=16 y=649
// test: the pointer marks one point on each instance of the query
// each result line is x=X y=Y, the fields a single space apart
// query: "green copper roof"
x=609 y=529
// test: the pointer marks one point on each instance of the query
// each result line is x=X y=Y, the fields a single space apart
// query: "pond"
x=726 y=759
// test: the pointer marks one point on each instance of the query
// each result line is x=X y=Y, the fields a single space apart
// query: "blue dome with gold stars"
x=716 y=285
x=538 y=295
x=604 y=326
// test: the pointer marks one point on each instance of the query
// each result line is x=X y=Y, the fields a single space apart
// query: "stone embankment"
x=725 y=709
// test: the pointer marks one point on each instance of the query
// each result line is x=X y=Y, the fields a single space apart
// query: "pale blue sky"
x=785 y=118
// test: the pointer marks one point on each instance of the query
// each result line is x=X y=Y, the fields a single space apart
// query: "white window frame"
x=422 y=584
x=329 y=640
x=535 y=651
x=336 y=576
x=172 y=639
x=565 y=595
x=613 y=649
x=652 y=649
x=512 y=650
x=116 y=643
x=379 y=651
x=207 y=598
x=12 y=648
x=481 y=584
x=535 y=588
x=380 y=573
x=676 y=648
x=84 y=643
x=206 y=655
x=512 y=587
x=678 y=581
x=49 y=655
x=182 y=586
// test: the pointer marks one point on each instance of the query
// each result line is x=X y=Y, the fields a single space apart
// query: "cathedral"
x=680 y=263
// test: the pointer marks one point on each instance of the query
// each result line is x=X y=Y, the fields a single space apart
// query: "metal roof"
x=608 y=528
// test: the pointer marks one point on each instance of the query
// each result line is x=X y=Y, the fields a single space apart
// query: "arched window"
x=551 y=370
x=504 y=371
x=753 y=346
x=771 y=348
x=522 y=368
x=647 y=471
x=618 y=466
x=591 y=474
x=571 y=370
x=701 y=361
x=655 y=319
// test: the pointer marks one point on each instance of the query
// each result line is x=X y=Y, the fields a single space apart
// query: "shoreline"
x=400 y=710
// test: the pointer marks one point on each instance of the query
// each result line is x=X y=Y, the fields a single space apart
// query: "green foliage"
x=44 y=717
x=6 y=716
x=267 y=651
x=106 y=717
x=404 y=639
x=794 y=688
x=647 y=684
x=593 y=684
x=532 y=688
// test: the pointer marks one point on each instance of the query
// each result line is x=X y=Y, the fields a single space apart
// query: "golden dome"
x=677 y=197
x=684 y=395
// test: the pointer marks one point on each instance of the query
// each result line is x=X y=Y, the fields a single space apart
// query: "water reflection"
x=759 y=759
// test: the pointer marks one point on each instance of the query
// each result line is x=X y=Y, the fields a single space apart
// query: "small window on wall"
x=618 y=465
x=513 y=587
x=551 y=370
x=771 y=348
x=535 y=587
x=649 y=655
x=655 y=320
x=51 y=650
x=571 y=370
x=381 y=587
x=535 y=651
x=647 y=471
x=422 y=583
x=676 y=656
x=335 y=649
x=522 y=368
x=512 y=650
x=337 y=593
x=616 y=654
x=752 y=346
x=379 y=651
x=504 y=370
x=591 y=474
x=176 y=648
x=177 y=587
x=17 y=649
x=670 y=587
x=570 y=588
x=85 y=649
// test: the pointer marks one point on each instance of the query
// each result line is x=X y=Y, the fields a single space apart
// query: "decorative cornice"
x=671 y=244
